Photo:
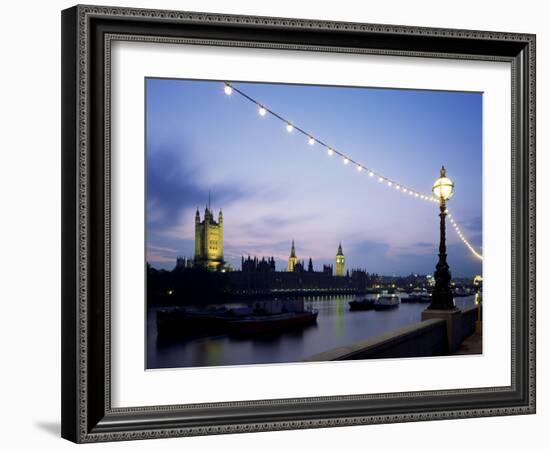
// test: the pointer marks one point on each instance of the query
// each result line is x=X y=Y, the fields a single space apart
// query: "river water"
x=336 y=326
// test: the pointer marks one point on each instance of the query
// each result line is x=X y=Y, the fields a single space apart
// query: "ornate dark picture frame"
x=87 y=33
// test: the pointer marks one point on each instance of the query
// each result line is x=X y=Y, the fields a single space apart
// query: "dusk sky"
x=273 y=187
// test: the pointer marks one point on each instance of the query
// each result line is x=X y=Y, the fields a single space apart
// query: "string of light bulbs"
x=311 y=140
x=461 y=236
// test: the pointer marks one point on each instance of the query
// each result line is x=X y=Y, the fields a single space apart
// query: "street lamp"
x=443 y=188
x=442 y=296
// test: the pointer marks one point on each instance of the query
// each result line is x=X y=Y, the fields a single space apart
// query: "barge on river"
x=268 y=316
x=362 y=304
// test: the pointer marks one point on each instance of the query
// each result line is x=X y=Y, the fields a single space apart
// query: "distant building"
x=340 y=262
x=292 y=259
x=430 y=280
x=209 y=240
x=299 y=267
x=254 y=264
x=359 y=279
x=182 y=263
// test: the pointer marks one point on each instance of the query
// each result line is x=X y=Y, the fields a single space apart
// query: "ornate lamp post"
x=442 y=296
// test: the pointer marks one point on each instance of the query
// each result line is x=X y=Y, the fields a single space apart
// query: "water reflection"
x=336 y=326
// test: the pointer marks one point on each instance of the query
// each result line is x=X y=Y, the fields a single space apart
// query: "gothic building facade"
x=209 y=240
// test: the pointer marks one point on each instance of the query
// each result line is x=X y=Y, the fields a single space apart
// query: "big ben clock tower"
x=340 y=262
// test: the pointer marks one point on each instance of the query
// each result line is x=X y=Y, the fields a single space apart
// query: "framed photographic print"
x=285 y=223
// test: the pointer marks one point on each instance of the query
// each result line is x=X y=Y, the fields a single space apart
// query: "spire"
x=340 y=261
x=292 y=250
x=208 y=216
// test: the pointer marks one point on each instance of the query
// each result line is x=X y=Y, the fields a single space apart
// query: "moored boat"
x=362 y=304
x=263 y=316
x=386 y=302
x=272 y=323
x=417 y=297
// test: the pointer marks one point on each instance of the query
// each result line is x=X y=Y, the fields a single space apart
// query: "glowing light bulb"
x=389 y=183
x=311 y=141
x=404 y=190
x=228 y=89
x=262 y=111
x=416 y=195
x=289 y=128
x=380 y=179
x=371 y=174
x=397 y=187
x=359 y=168
x=330 y=151
x=346 y=160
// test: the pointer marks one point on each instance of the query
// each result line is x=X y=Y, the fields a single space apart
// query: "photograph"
x=292 y=223
x=285 y=218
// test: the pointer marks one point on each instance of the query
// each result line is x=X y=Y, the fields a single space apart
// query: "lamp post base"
x=453 y=318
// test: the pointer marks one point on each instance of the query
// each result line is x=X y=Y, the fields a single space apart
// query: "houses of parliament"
x=209 y=250
x=207 y=276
